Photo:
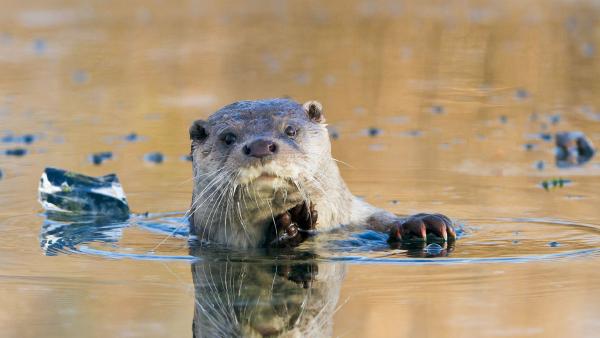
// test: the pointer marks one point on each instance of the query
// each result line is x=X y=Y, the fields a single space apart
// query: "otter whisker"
x=215 y=194
x=209 y=222
x=211 y=183
x=216 y=180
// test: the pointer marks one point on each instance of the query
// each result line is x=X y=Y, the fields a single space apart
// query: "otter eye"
x=290 y=131
x=229 y=138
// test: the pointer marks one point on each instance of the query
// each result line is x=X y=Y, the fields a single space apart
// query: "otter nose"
x=260 y=148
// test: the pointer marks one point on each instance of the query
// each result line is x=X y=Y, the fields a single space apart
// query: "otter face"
x=253 y=160
x=266 y=143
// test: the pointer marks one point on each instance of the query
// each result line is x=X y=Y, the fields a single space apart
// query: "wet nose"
x=260 y=148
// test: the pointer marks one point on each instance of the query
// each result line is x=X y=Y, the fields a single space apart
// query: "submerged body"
x=255 y=160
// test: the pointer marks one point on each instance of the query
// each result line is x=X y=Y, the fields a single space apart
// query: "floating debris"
x=572 y=149
x=554 y=183
x=71 y=194
x=18 y=152
x=98 y=158
x=154 y=157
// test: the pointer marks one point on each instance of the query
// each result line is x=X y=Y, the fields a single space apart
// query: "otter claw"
x=423 y=227
x=293 y=226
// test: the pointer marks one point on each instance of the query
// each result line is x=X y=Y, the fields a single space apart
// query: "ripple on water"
x=165 y=237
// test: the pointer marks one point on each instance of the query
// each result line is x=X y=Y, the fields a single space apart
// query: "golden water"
x=457 y=88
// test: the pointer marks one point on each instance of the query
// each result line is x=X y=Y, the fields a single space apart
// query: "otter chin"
x=260 y=165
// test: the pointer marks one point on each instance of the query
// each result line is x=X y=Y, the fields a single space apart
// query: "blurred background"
x=445 y=106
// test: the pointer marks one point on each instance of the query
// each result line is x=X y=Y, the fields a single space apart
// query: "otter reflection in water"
x=291 y=296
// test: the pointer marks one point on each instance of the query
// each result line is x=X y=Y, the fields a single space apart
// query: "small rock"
x=529 y=146
x=79 y=77
x=437 y=109
x=546 y=137
x=333 y=132
x=16 y=152
x=26 y=138
x=555 y=119
x=521 y=94
x=555 y=183
x=572 y=149
x=154 y=157
x=39 y=46
x=540 y=165
x=374 y=131
x=98 y=158
x=554 y=244
x=132 y=137
x=504 y=119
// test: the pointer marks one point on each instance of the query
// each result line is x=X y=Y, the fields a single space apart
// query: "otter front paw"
x=423 y=227
x=293 y=226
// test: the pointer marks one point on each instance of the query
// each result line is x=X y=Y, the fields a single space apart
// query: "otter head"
x=268 y=149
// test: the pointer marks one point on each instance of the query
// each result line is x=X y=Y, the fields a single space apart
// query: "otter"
x=265 y=166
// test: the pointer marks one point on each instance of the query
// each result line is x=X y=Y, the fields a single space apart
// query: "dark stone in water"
x=39 y=45
x=154 y=157
x=540 y=165
x=16 y=152
x=437 y=109
x=71 y=194
x=98 y=158
x=26 y=138
x=555 y=183
x=374 y=131
x=333 y=132
x=555 y=119
x=80 y=76
x=503 y=118
x=521 y=93
x=546 y=136
x=132 y=137
x=529 y=146
x=554 y=244
x=572 y=149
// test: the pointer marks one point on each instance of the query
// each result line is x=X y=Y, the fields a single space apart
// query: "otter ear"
x=314 y=110
x=198 y=131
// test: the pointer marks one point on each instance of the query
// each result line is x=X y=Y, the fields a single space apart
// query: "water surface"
x=435 y=106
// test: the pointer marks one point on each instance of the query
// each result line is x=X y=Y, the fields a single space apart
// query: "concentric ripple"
x=165 y=237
